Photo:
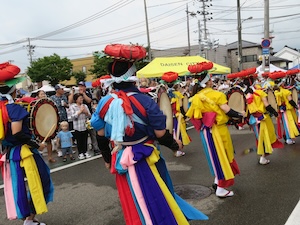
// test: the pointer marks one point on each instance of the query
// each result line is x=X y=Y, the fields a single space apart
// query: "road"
x=85 y=192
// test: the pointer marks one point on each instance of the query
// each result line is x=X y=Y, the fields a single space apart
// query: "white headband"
x=126 y=77
x=203 y=82
x=8 y=96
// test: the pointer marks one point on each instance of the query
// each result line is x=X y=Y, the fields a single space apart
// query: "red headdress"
x=125 y=52
x=277 y=75
x=200 y=70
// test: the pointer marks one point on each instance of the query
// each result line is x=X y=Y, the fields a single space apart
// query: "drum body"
x=43 y=115
x=236 y=99
x=272 y=99
x=165 y=106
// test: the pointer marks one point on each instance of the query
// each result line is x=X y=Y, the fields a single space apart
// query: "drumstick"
x=49 y=132
x=178 y=126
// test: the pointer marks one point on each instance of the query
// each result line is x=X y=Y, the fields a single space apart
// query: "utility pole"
x=240 y=46
x=30 y=50
x=148 y=35
x=199 y=38
x=204 y=19
x=205 y=30
x=205 y=13
x=266 y=58
x=188 y=29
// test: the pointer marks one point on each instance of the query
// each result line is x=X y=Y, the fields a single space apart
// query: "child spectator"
x=64 y=139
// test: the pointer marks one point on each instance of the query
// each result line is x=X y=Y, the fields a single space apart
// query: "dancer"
x=260 y=120
x=133 y=121
x=20 y=158
x=170 y=79
x=209 y=112
x=287 y=107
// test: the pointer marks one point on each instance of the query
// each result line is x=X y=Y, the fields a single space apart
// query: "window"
x=250 y=58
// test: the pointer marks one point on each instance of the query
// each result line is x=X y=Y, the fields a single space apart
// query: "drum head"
x=295 y=95
x=272 y=99
x=165 y=107
x=236 y=99
x=43 y=115
x=185 y=103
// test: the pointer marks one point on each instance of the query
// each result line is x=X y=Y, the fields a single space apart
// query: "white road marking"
x=68 y=166
x=294 y=218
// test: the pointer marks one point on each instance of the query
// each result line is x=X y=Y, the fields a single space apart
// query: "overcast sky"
x=75 y=28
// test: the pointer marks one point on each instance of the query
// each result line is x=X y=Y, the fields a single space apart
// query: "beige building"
x=251 y=55
x=84 y=65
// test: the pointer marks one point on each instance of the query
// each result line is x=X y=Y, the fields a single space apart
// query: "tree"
x=101 y=61
x=100 y=64
x=79 y=76
x=51 y=68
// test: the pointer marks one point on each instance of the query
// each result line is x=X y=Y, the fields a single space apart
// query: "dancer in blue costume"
x=133 y=122
x=20 y=159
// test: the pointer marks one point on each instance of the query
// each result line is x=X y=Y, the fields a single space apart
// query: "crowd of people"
x=74 y=109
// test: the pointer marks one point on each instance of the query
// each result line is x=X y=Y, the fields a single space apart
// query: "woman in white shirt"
x=80 y=113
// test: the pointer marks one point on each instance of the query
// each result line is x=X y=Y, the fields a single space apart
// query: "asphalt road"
x=85 y=191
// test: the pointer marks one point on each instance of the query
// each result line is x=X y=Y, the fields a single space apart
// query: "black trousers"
x=81 y=139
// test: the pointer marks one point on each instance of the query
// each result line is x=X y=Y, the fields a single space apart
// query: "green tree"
x=79 y=76
x=51 y=68
x=100 y=65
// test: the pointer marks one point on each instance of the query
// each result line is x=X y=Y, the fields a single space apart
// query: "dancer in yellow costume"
x=260 y=120
x=176 y=98
x=286 y=110
x=209 y=112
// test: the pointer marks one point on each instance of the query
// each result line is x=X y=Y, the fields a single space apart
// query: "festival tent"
x=272 y=68
x=160 y=65
x=295 y=67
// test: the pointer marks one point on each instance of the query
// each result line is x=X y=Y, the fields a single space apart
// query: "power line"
x=96 y=16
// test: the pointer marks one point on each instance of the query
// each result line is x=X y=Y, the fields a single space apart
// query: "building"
x=84 y=65
x=250 y=52
x=290 y=54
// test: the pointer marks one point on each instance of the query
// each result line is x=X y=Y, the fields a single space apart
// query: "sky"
x=76 y=29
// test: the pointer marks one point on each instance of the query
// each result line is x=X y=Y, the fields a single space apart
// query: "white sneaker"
x=59 y=153
x=87 y=155
x=81 y=156
x=223 y=193
x=179 y=153
x=290 y=141
x=30 y=222
x=263 y=161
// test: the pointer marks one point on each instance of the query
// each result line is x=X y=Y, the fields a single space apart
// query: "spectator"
x=64 y=139
x=87 y=99
x=61 y=102
x=80 y=113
